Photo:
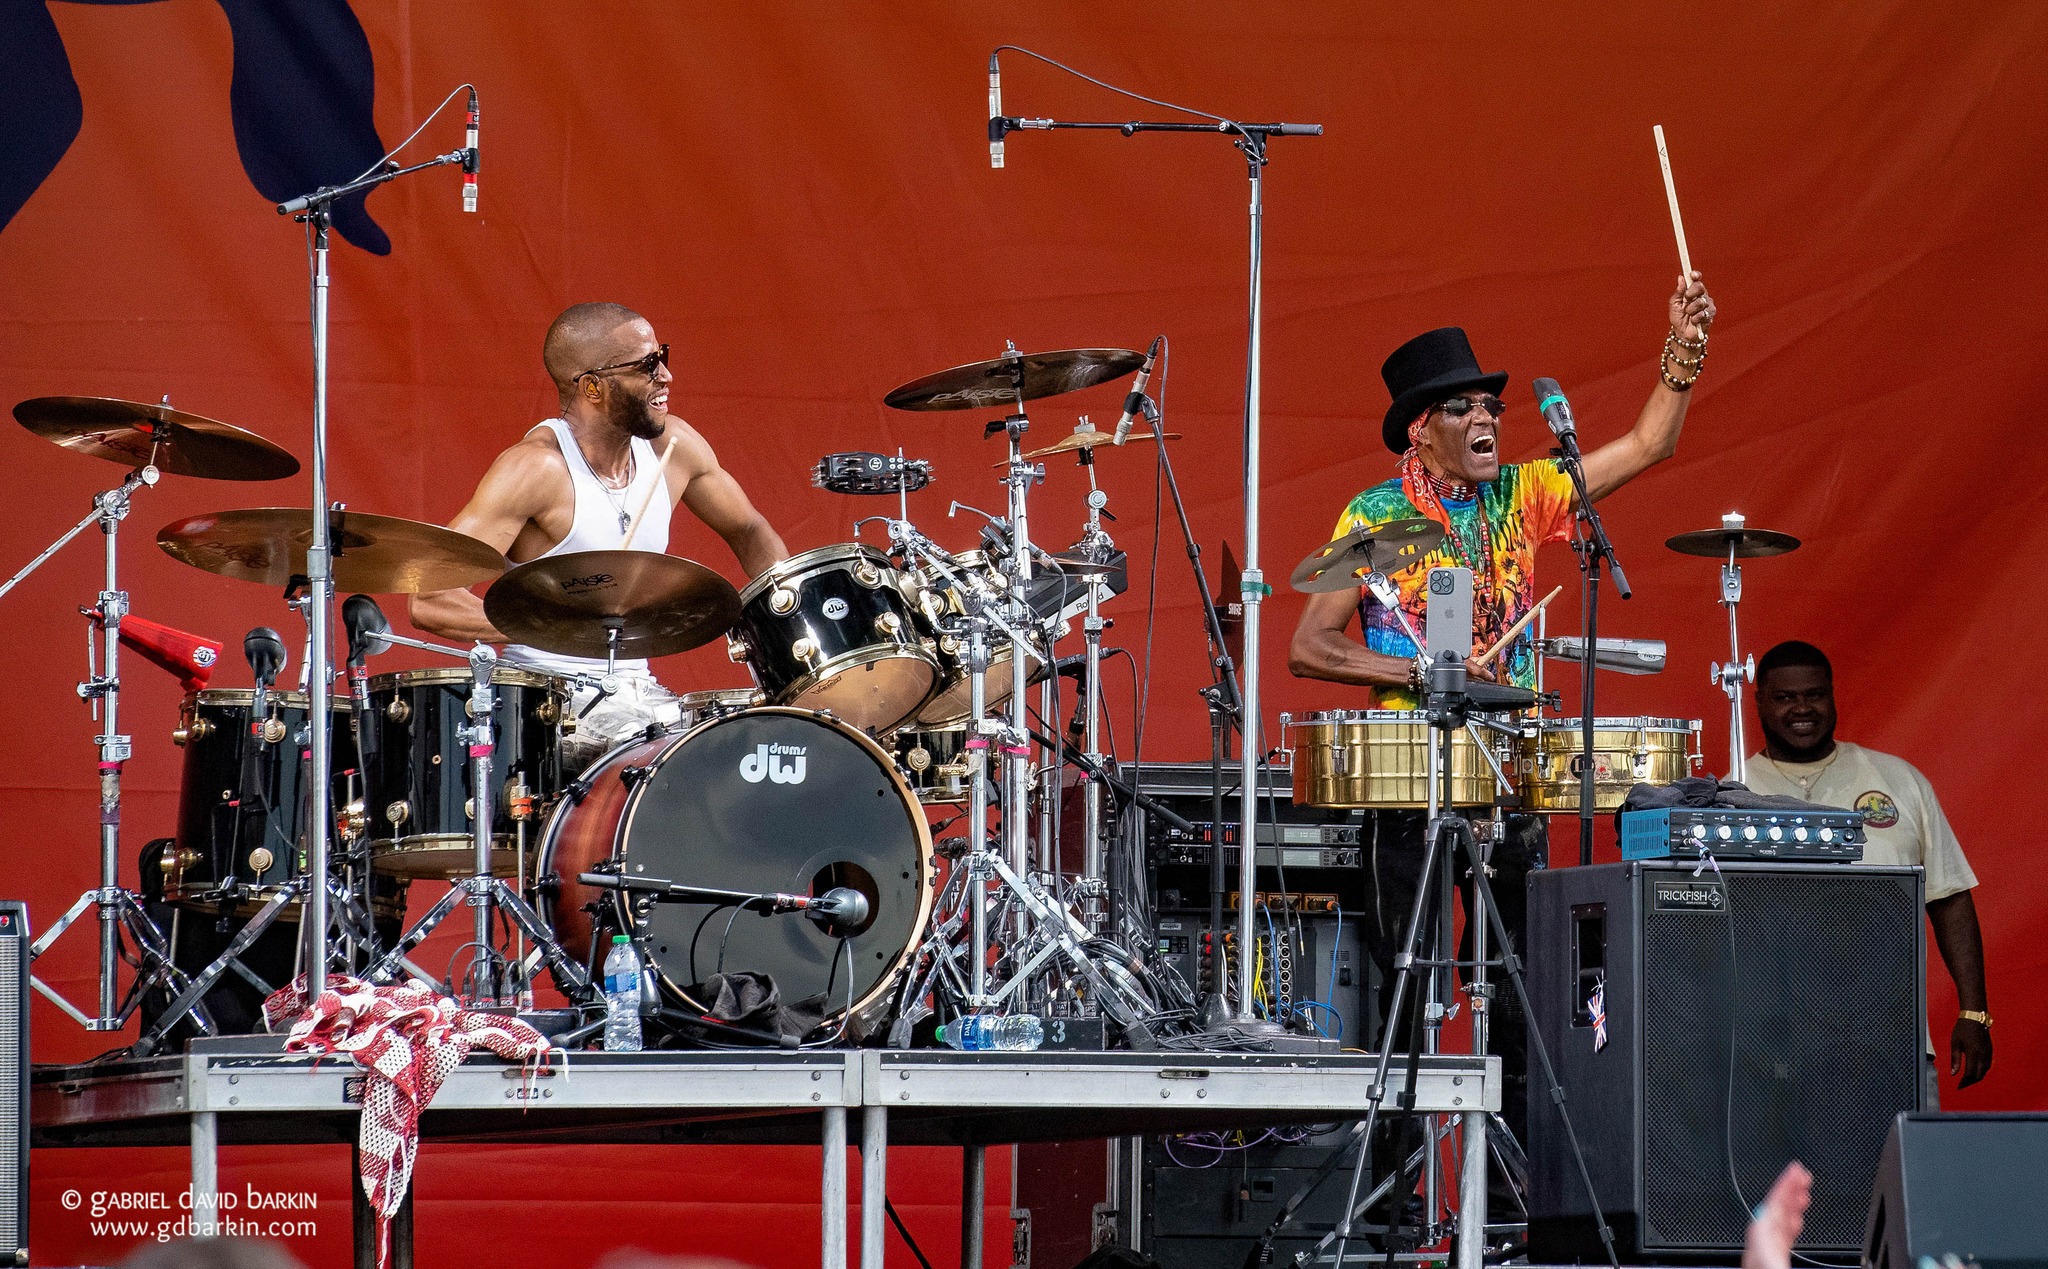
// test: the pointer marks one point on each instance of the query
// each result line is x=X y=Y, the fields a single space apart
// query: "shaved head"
x=583 y=337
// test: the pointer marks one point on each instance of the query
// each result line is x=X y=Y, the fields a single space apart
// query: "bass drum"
x=770 y=799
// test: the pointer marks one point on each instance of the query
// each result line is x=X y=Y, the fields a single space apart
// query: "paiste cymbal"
x=135 y=433
x=988 y=385
x=1750 y=544
x=566 y=604
x=1088 y=439
x=1386 y=548
x=379 y=555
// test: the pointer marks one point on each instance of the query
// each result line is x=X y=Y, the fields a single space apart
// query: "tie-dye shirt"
x=1527 y=505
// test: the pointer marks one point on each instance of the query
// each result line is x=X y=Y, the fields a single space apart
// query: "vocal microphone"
x=1134 y=404
x=471 y=158
x=996 y=126
x=1557 y=412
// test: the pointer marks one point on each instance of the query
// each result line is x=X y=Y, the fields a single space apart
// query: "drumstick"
x=648 y=497
x=1671 y=196
x=1516 y=629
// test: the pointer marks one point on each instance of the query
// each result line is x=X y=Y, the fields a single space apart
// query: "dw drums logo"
x=781 y=764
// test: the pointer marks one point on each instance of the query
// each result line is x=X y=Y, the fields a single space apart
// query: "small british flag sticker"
x=1596 y=1005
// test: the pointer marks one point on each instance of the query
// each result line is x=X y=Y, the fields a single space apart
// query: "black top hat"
x=1429 y=368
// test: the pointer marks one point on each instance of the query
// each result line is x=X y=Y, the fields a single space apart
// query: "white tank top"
x=600 y=525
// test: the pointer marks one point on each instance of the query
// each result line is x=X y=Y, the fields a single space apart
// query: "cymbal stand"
x=118 y=907
x=1095 y=546
x=1731 y=676
x=488 y=983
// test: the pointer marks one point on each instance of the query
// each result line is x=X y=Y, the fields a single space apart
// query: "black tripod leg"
x=1404 y=1184
x=1511 y=961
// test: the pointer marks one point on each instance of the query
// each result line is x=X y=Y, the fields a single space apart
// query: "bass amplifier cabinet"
x=1753 y=1014
x=1968 y=1186
x=14 y=958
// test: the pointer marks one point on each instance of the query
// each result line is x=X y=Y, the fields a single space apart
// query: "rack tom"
x=837 y=629
x=422 y=797
x=1378 y=758
x=943 y=601
x=1626 y=752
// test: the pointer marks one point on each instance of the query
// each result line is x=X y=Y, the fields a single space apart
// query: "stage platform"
x=244 y=1091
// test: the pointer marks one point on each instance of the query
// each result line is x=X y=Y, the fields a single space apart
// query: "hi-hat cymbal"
x=1750 y=544
x=1384 y=548
x=135 y=433
x=381 y=555
x=1089 y=440
x=987 y=385
x=567 y=604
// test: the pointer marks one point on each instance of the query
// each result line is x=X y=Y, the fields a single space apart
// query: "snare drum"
x=420 y=825
x=243 y=794
x=1378 y=758
x=837 y=629
x=934 y=763
x=1626 y=752
x=717 y=702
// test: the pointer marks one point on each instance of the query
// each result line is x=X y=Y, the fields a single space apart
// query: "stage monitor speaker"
x=1753 y=1014
x=1969 y=1186
x=14 y=958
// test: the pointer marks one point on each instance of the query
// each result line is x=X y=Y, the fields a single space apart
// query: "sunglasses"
x=645 y=365
x=1459 y=407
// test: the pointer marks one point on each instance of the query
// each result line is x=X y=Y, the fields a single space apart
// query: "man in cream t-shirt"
x=1795 y=702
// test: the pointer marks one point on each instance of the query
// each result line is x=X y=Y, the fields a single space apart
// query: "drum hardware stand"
x=1737 y=671
x=488 y=983
x=1451 y=705
x=315 y=210
x=1593 y=547
x=118 y=907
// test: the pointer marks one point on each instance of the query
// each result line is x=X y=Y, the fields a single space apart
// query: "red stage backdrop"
x=799 y=199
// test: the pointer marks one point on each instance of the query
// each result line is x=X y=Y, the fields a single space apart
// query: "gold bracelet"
x=1977 y=1016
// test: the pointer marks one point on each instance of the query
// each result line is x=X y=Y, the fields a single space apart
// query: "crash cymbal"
x=135 y=433
x=1386 y=548
x=1088 y=439
x=565 y=604
x=990 y=385
x=381 y=555
x=1750 y=544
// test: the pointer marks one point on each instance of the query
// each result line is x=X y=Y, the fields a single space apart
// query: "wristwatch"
x=1977 y=1016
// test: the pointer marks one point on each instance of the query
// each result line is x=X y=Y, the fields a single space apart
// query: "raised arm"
x=511 y=494
x=1654 y=438
x=714 y=497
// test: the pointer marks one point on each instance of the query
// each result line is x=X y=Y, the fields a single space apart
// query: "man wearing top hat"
x=1444 y=424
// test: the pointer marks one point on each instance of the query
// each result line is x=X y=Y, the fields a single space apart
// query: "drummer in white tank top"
x=571 y=484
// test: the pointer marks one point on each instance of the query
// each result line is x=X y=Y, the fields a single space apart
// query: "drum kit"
x=888 y=680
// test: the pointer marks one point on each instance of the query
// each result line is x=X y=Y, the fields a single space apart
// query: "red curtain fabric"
x=799 y=200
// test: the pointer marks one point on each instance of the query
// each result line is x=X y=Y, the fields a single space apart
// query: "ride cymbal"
x=379 y=555
x=1384 y=548
x=136 y=433
x=567 y=604
x=987 y=385
x=1750 y=544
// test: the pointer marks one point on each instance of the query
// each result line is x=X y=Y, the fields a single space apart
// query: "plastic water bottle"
x=622 y=997
x=984 y=1031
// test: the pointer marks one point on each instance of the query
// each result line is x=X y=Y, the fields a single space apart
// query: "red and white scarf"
x=408 y=1039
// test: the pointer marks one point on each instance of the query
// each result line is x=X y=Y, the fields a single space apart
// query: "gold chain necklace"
x=1808 y=785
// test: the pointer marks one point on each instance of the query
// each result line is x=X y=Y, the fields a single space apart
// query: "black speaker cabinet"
x=1970 y=1186
x=14 y=940
x=1754 y=1014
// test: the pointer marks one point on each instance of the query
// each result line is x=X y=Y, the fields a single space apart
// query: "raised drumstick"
x=1671 y=196
x=1516 y=629
x=648 y=497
